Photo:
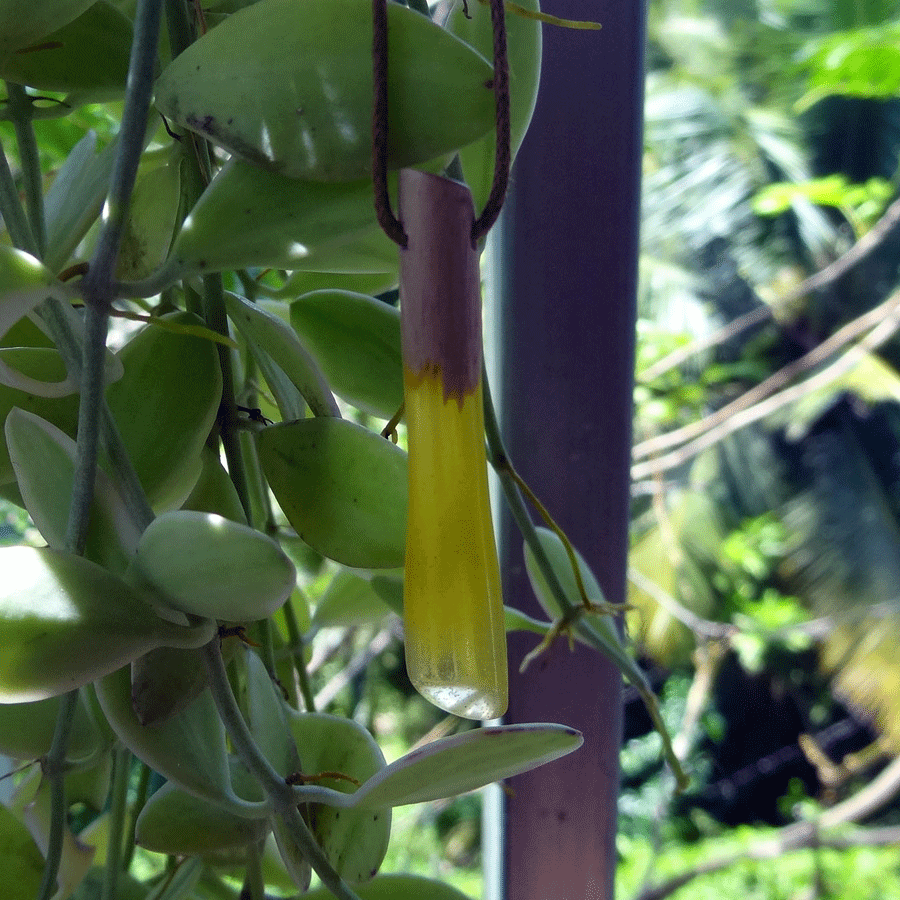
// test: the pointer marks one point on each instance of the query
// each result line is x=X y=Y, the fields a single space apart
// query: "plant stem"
x=92 y=388
x=254 y=885
x=58 y=319
x=502 y=466
x=143 y=790
x=54 y=772
x=118 y=805
x=20 y=107
x=97 y=283
x=12 y=211
x=281 y=795
x=217 y=320
x=180 y=26
x=290 y=618
x=97 y=298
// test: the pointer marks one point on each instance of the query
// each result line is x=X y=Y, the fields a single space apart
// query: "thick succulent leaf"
x=24 y=283
x=389 y=587
x=356 y=341
x=164 y=681
x=279 y=85
x=64 y=621
x=175 y=822
x=268 y=718
x=24 y=25
x=397 y=887
x=188 y=748
x=272 y=342
x=43 y=458
x=343 y=489
x=90 y=53
x=214 y=491
x=248 y=217
x=349 y=600
x=152 y=216
x=209 y=566
x=355 y=840
x=300 y=283
x=75 y=198
x=165 y=405
x=601 y=626
x=464 y=762
x=292 y=858
x=26 y=729
x=22 y=862
x=41 y=364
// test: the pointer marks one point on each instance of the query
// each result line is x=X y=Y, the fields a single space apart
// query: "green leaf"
x=165 y=406
x=861 y=62
x=464 y=762
x=22 y=26
x=22 y=863
x=356 y=341
x=523 y=39
x=355 y=840
x=602 y=629
x=89 y=54
x=272 y=342
x=250 y=218
x=42 y=364
x=64 y=621
x=214 y=491
x=389 y=588
x=44 y=462
x=188 y=748
x=177 y=823
x=75 y=198
x=268 y=718
x=26 y=730
x=152 y=217
x=343 y=489
x=206 y=565
x=292 y=858
x=349 y=600
x=397 y=887
x=279 y=85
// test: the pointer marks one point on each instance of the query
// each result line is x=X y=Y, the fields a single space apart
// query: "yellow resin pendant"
x=453 y=607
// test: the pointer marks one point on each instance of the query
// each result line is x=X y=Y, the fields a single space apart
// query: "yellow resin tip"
x=453 y=607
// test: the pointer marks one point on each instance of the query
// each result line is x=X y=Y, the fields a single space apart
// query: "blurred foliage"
x=765 y=570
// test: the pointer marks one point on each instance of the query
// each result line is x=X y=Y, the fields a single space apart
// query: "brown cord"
x=386 y=218
x=391 y=225
x=501 y=97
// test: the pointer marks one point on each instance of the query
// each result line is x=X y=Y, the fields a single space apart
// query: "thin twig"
x=704 y=628
x=881 y=322
x=831 y=273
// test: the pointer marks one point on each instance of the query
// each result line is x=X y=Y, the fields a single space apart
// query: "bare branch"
x=881 y=322
x=843 y=264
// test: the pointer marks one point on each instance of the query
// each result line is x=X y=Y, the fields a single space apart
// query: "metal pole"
x=569 y=273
